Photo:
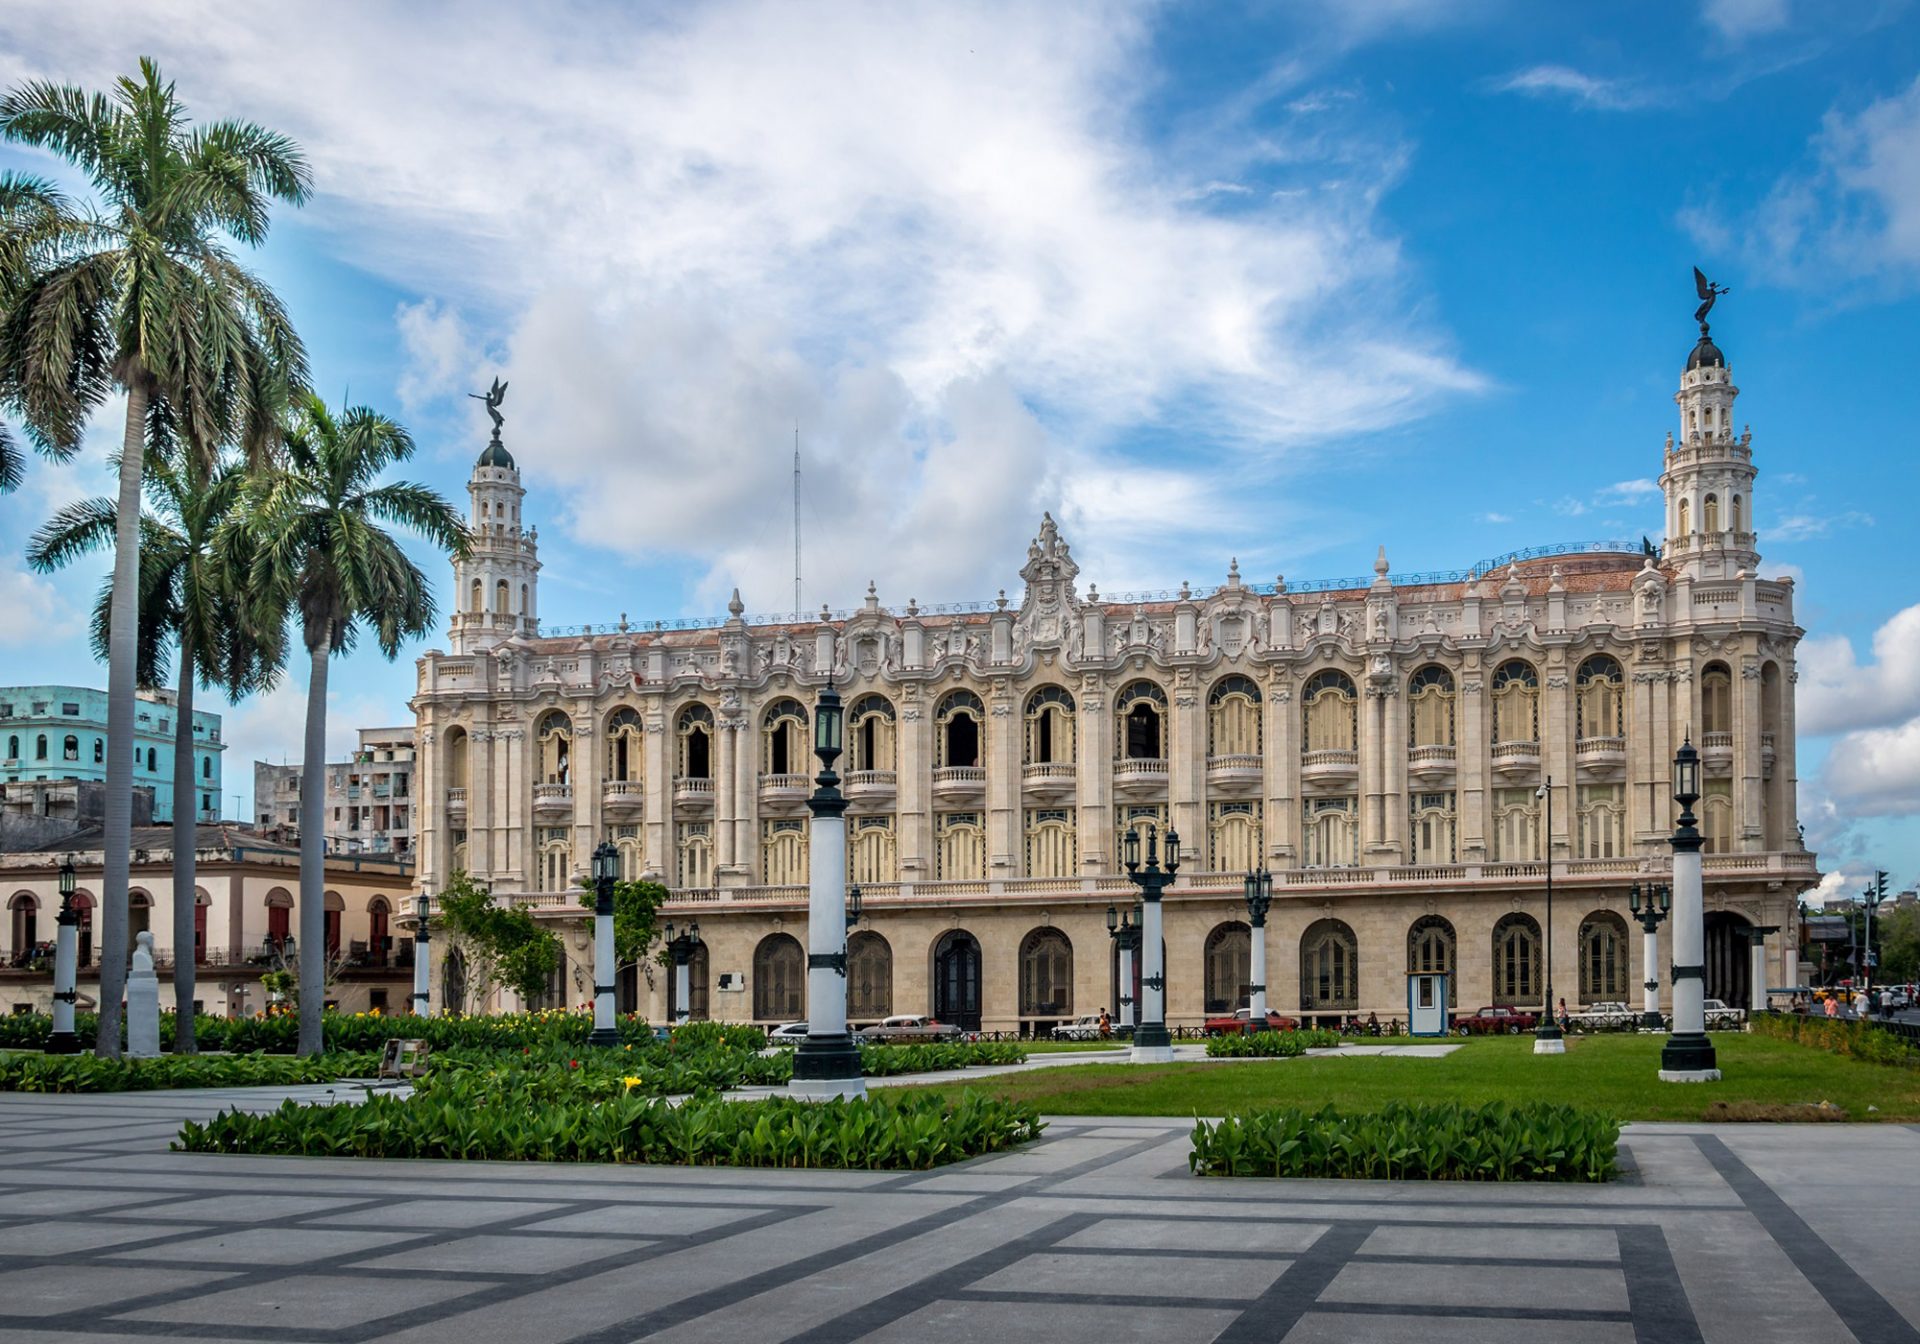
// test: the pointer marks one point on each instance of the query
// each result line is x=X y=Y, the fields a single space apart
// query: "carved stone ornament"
x=1047 y=610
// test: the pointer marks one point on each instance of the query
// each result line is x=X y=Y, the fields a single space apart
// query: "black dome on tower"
x=496 y=455
x=1706 y=355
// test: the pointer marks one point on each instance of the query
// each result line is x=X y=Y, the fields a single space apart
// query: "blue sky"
x=1282 y=282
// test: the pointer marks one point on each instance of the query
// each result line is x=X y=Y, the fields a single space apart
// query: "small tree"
x=636 y=907
x=503 y=945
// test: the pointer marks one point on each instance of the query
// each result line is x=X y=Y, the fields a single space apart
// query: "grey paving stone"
x=272 y=1245
x=298 y=1302
x=1478 y=1286
x=443 y=1212
x=1192 y=1233
x=54 y=1290
x=1496 y=1243
x=1058 y=1323
x=1135 y=1276
x=53 y=1200
x=50 y=1237
x=1341 y=1328
x=648 y=1220
x=508 y=1254
x=249 y=1208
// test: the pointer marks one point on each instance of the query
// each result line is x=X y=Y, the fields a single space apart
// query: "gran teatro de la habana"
x=1413 y=756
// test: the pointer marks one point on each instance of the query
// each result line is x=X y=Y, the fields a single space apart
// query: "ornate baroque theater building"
x=1412 y=756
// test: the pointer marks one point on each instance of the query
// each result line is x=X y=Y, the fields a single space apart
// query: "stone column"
x=1257 y=990
x=724 y=858
x=1689 y=1056
x=1650 y=960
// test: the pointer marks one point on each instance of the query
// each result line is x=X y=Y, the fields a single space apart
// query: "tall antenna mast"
x=797 y=607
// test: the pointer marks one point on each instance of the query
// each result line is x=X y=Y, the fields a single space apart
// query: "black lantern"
x=66 y=879
x=667 y=933
x=1113 y=919
x=1257 y=889
x=1130 y=849
x=1171 y=859
x=420 y=907
x=1633 y=899
x=606 y=863
x=855 y=905
x=828 y=725
x=1686 y=775
x=693 y=931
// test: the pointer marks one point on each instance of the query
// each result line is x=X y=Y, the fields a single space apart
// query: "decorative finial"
x=1093 y=592
x=734 y=607
x=826 y=614
x=1380 y=562
x=1185 y=591
x=1233 y=572
x=1001 y=601
x=1279 y=583
x=623 y=622
x=873 y=597
x=913 y=606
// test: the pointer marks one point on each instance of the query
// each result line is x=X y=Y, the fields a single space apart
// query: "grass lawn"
x=1069 y=1047
x=1615 y=1074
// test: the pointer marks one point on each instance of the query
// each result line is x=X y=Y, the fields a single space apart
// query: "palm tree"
x=316 y=550
x=34 y=216
x=142 y=295
x=191 y=601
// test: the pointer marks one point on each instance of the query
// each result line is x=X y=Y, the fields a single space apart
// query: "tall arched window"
x=1603 y=958
x=1433 y=826
x=70 y=748
x=1430 y=707
x=784 y=851
x=13 y=747
x=625 y=737
x=695 y=731
x=1431 y=949
x=959 y=736
x=1141 y=711
x=1227 y=977
x=871 y=853
x=1046 y=974
x=553 y=739
x=1685 y=517
x=474 y=601
x=457 y=748
x=1331 y=709
x=501 y=598
x=1233 y=836
x=956 y=979
x=1330 y=832
x=25 y=932
x=1329 y=967
x=1233 y=717
x=1599 y=690
x=1049 y=723
x=556 y=858
x=870 y=734
x=99 y=750
x=1516 y=702
x=869 y=977
x=784 y=738
x=696 y=854
x=1737 y=521
x=152 y=761
x=1516 y=961
x=1052 y=850
x=1710 y=515
x=1716 y=699
x=779 y=979
x=40 y=750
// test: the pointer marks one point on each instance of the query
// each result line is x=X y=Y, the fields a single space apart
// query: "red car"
x=1234 y=1024
x=1495 y=1021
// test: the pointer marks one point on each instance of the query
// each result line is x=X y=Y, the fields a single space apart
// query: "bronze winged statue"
x=496 y=394
x=1708 y=292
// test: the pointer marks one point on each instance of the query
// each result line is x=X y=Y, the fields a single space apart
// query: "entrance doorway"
x=956 y=980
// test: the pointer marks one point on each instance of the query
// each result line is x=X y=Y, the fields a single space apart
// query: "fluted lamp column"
x=827 y=1064
x=66 y=969
x=1151 y=1043
x=1689 y=1055
x=1650 y=908
x=421 y=983
x=606 y=866
x=1259 y=897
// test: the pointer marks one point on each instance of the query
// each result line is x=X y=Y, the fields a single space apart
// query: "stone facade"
x=369 y=804
x=1416 y=757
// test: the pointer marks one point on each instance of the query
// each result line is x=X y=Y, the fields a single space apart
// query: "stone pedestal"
x=143 y=1002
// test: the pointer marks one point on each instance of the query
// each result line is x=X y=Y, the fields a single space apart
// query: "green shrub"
x=1274 y=1044
x=85 y=1073
x=909 y=1131
x=1840 y=1036
x=882 y=1061
x=1448 y=1142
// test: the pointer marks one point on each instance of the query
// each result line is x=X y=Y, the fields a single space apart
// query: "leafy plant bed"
x=85 y=1073
x=908 y=1131
x=1403 y=1142
x=1271 y=1044
x=1855 y=1040
x=882 y=1061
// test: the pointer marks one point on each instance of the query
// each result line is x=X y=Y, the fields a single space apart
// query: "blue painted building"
x=60 y=732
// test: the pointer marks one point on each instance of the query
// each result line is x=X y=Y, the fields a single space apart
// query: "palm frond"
x=74 y=531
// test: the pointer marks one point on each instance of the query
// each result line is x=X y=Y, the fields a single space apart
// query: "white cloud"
x=1808 y=526
x=1495 y=518
x=1738 y=20
x=1837 y=692
x=272 y=728
x=1541 y=81
x=1628 y=492
x=1876 y=772
x=36 y=613
x=691 y=228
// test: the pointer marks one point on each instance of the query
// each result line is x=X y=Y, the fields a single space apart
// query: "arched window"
x=962 y=847
x=152 y=759
x=1228 y=974
x=1716 y=699
x=783 y=851
x=1331 y=709
x=695 y=731
x=871 y=854
x=1049 y=722
x=70 y=748
x=279 y=918
x=632 y=854
x=956 y=979
x=456 y=758
x=378 y=913
x=25 y=931
x=1330 y=832
x=553 y=741
x=870 y=734
x=959 y=733
x=779 y=979
x=206 y=767
x=334 y=905
x=474 y=603
x=1329 y=967
x=1599 y=690
x=1685 y=518
x=1046 y=974
x=696 y=854
x=869 y=977
x=1431 y=948
x=1516 y=961
x=13 y=747
x=1601 y=820
x=99 y=750
x=784 y=738
x=1710 y=515
x=1051 y=847
x=1432 y=819
x=1233 y=717
x=1141 y=709
x=556 y=858
x=1233 y=836
x=1430 y=707
x=1516 y=702
x=501 y=599
x=625 y=737
x=1603 y=958
x=40 y=750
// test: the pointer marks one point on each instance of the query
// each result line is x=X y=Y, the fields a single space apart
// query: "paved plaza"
x=1735 y=1234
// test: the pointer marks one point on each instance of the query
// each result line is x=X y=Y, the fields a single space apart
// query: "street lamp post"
x=1688 y=1056
x=66 y=969
x=1757 y=934
x=1650 y=908
x=606 y=866
x=1547 y=1039
x=680 y=947
x=827 y=1064
x=1151 y=1044
x=1125 y=934
x=1259 y=897
x=421 y=1001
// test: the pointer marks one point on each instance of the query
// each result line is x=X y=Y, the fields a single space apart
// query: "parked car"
x=790 y=1032
x=1243 y=1021
x=1720 y=1015
x=1085 y=1028
x=910 y=1027
x=1610 y=1016
x=1496 y=1020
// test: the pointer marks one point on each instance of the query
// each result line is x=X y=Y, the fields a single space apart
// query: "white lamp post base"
x=1151 y=1054
x=1545 y=1045
x=1689 y=1075
x=825 y=1089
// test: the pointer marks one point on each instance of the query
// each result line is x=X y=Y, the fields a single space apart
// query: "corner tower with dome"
x=1412 y=755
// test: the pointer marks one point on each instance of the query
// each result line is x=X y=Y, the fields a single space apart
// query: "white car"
x=791 y=1033
x=1604 y=1017
x=1080 y=1029
x=1721 y=1014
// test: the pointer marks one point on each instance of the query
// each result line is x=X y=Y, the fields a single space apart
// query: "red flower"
x=573 y=1063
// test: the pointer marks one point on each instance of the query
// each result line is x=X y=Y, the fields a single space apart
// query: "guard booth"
x=1426 y=1004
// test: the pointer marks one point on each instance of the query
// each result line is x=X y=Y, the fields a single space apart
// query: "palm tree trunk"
x=116 y=837
x=185 y=877
x=313 y=850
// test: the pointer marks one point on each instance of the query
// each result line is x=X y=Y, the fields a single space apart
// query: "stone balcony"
x=456 y=801
x=552 y=799
x=960 y=781
x=1331 y=765
x=1516 y=759
x=1716 y=752
x=1431 y=763
x=623 y=797
x=784 y=791
x=870 y=785
x=1048 y=779
x=1767 y=755
x=1235 y=773
x=1140 y=777
x=1602 y=757
x=691 y=794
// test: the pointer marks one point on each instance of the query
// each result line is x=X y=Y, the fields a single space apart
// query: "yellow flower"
x=631 y=1082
